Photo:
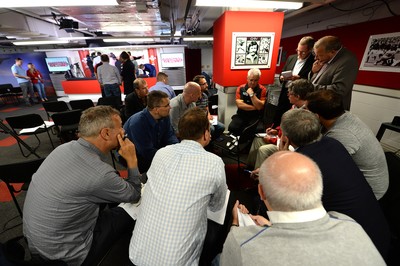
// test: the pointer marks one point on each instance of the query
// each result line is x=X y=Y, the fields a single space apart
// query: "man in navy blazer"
x=335 y=68
x=300 y=64
x=345 y=188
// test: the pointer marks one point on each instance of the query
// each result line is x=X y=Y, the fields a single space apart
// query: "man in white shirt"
x=183 y=181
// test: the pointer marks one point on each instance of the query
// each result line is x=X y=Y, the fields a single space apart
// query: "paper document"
x=244 y=219
x=287 y=74
x=214 y=120
x=132 y=208
x=219 y=216
x=261 y=135
x=33 y=129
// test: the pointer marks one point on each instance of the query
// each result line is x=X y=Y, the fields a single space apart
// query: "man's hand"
x=127 y=151
x=250 y=91
x=284 y=144
x=235 y=209
x=317 y=66
x=260 y=220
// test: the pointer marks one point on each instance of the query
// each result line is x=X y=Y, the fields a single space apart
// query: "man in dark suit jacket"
x=300 y=64
x=345 y=188
x=335 y=68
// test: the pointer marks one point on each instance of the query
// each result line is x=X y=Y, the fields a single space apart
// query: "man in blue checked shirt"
x=184 y=180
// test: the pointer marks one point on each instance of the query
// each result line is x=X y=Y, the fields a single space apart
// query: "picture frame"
x=252 y=49
x=382 y=53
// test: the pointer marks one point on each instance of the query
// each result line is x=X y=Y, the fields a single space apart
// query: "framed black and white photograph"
x=382 y=53
x=252 y=49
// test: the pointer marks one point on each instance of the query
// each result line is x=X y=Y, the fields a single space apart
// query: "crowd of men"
x=320 y=173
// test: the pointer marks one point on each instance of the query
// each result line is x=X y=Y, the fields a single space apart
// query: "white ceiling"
x=163 y=19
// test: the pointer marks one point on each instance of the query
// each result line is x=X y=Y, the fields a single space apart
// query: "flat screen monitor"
x=172 y=60
x=57 y=64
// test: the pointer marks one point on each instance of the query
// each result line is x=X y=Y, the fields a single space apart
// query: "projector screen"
x=57 y=64
x=172 y=60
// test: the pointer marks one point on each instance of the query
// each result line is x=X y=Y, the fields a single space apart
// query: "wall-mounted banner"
x=382 y=53
x=252 y=49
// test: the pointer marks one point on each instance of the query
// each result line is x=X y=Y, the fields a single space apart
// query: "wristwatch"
x=251 y=95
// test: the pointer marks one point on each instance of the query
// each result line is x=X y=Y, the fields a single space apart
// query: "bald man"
x=184 y=101
x=301 y=231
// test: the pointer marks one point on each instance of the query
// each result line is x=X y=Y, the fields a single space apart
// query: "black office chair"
x=67 y=123
x=30 y=124
x=234 y=146
x=19 y=173
x=55 y=107
x=81 y=104
x=114 y=101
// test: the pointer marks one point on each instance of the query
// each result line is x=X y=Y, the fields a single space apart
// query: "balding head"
x=294 y=188
x=191 y=92
x=329 y=43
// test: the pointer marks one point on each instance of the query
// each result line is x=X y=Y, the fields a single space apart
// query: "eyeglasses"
x=203 y=84
x=167 y=105
x=301 y=52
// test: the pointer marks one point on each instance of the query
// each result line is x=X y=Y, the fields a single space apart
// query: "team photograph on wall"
x=251 y=49
x=382 y=53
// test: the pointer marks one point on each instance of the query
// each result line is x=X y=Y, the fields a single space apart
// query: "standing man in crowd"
x=302 y=232
x=162 y=85
x=127 y=72
x=219 y=128
x=62 y=220
x=355 y=136
x=24 y=82
x=184 y=101
x=300 y=65
x=137 y=100
x=109 y=77
x=148 y=69
x=150 y=129
x=184 y=181
x=250 y=99
x=335 y=68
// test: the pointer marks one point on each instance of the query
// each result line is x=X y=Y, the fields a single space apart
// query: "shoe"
x=46 y=99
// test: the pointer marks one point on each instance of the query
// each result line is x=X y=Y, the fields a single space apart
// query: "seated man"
x=302 y=232
x=261 y=148
x=219 y=128
x=355 y=136
x=184 y=101
x=250 y=99
x=345 y=188
x=183 y=181
x=136 y=101
x=162 y=85
x=61 y=213
x=151 y=129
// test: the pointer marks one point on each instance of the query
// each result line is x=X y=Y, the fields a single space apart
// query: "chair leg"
x=11 y=189
x=52 y=144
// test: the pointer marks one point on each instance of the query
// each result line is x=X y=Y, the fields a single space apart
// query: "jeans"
x=26 y=88
x=40 y=89
x=111 y=90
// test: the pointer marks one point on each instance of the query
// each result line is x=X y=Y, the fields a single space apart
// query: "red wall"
x=239 y=21
x=355 y=38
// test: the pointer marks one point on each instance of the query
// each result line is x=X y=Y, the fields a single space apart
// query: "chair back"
x=55 y=107
x=67 y=118
x=20 y=172
x=25 y=121
x=114 y=101
x=81 y=104
x=247 y=136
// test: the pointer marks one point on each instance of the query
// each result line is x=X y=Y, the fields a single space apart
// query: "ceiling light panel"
x=250 y=4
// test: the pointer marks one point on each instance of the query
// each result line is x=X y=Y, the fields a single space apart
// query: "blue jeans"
x=217 y=130
x=111 y=90
x=40 y=89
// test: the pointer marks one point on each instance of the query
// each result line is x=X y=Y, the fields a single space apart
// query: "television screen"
x=57 y=64
x=172 y=60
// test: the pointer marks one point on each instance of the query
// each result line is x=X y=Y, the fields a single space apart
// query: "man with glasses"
x=150 y=129
x=218 y=128
x=184 y=101
x=297 y=66
x=162 y=85
x=250 y=99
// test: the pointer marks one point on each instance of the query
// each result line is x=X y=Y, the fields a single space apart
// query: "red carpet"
x=5 y=194
x=237 y=180
x=9 y=141
x=8 y=110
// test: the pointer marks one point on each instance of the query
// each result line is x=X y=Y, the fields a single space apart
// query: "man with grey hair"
x=301 y=231
x=250 y=99
x=335 y=68
x=345 y=188
x=184 y=101
x=61 y=218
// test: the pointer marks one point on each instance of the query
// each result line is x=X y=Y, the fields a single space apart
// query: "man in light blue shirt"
x=24 y=81
x=162 y=85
